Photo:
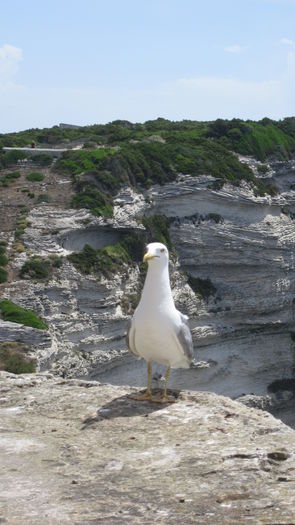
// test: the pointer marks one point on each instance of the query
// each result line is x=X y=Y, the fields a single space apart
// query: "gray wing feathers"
x=184 y=337
x=130 y=338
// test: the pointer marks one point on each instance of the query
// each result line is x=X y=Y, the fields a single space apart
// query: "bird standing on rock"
x=158 y=331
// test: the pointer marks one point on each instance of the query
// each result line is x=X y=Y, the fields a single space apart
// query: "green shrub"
x=40 y=268
x=202 y=287
x=31 y=195
x=11 y=157
x=3 y=275
x=94 y=200
x=264 y=187
x=8 y=178
x=36 y=268
x=13 y=175
x=44 y=197
x=13 y=358
x=42 y=159
x=18 y=247
x=22 y=221
x=16 y=314
x=75 y=162
x=35 y=177
x=19 y=232
x=134 y=244
x=157 y=230
x=262 y=168
x=3 y=260
x=104 y=261
x=260 y=139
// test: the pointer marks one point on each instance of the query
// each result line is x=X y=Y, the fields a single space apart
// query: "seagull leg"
x=147 y=395
x=165 y=398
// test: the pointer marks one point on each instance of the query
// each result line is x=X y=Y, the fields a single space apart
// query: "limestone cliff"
x=233 y=275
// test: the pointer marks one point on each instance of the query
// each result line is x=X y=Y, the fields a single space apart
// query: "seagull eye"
x=162 y=250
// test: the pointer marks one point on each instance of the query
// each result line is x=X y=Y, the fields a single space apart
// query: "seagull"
x=158 y=331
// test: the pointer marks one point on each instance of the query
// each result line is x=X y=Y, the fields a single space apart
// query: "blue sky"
x=92 y=61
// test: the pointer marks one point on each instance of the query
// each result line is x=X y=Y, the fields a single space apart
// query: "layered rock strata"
x=238 y=245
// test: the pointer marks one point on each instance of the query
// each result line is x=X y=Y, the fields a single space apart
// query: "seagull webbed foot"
x=147 y=396
x=164 y=399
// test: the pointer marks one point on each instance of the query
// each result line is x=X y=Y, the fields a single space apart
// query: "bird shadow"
x=125 y=406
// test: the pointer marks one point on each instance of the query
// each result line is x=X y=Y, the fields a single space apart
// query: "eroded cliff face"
x=237 y=246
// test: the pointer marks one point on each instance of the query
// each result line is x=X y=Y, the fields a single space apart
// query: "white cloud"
x=10 y=57
x=235 y=49
x=288 y=42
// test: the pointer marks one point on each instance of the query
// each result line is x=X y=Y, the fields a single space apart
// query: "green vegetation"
x=2 y=249
x=264 y=187
x=260 y=139
x=21 y=224
x=11 y=157
x=18 y=247
x=95 y=186
x=22 y=221
x=40 y=268
x=75 y=162
x=3 y=262
x=265 y=137
x=155 y=153
x=44 y=197
x=215 y=217
x=13 y=358
x=8 y=178
x=89 y=197
x=104 y=261
x=157 y=230
x=16 y=314
x=262 y=168
x=3 y=275
x=42 y=159
x=3 y=259
x=202 y=287
x=35 y=177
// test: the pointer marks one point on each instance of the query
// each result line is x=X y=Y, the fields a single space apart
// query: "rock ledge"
x=83 y=453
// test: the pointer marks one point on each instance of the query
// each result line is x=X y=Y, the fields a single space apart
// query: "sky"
x=94 y=61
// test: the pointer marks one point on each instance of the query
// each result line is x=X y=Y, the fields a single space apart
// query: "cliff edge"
x=82 y=452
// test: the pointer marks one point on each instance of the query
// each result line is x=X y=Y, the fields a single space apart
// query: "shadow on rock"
x=125 y=406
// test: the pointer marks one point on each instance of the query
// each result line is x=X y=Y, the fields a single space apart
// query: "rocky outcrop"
x=234 y=277
x=81 y=452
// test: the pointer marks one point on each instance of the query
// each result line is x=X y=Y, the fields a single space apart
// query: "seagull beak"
x=148 y=256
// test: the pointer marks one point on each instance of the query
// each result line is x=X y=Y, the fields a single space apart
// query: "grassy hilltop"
x=155 y=152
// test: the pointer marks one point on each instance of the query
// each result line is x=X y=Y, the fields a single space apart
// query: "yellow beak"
x=148 y=256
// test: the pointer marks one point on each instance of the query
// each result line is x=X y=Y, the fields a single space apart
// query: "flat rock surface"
x=84 y=453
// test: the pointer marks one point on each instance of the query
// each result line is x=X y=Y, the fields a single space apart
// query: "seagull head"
x=156 y=253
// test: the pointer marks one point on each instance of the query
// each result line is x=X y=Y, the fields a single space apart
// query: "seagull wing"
x=130 y=337
x=184 y=337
